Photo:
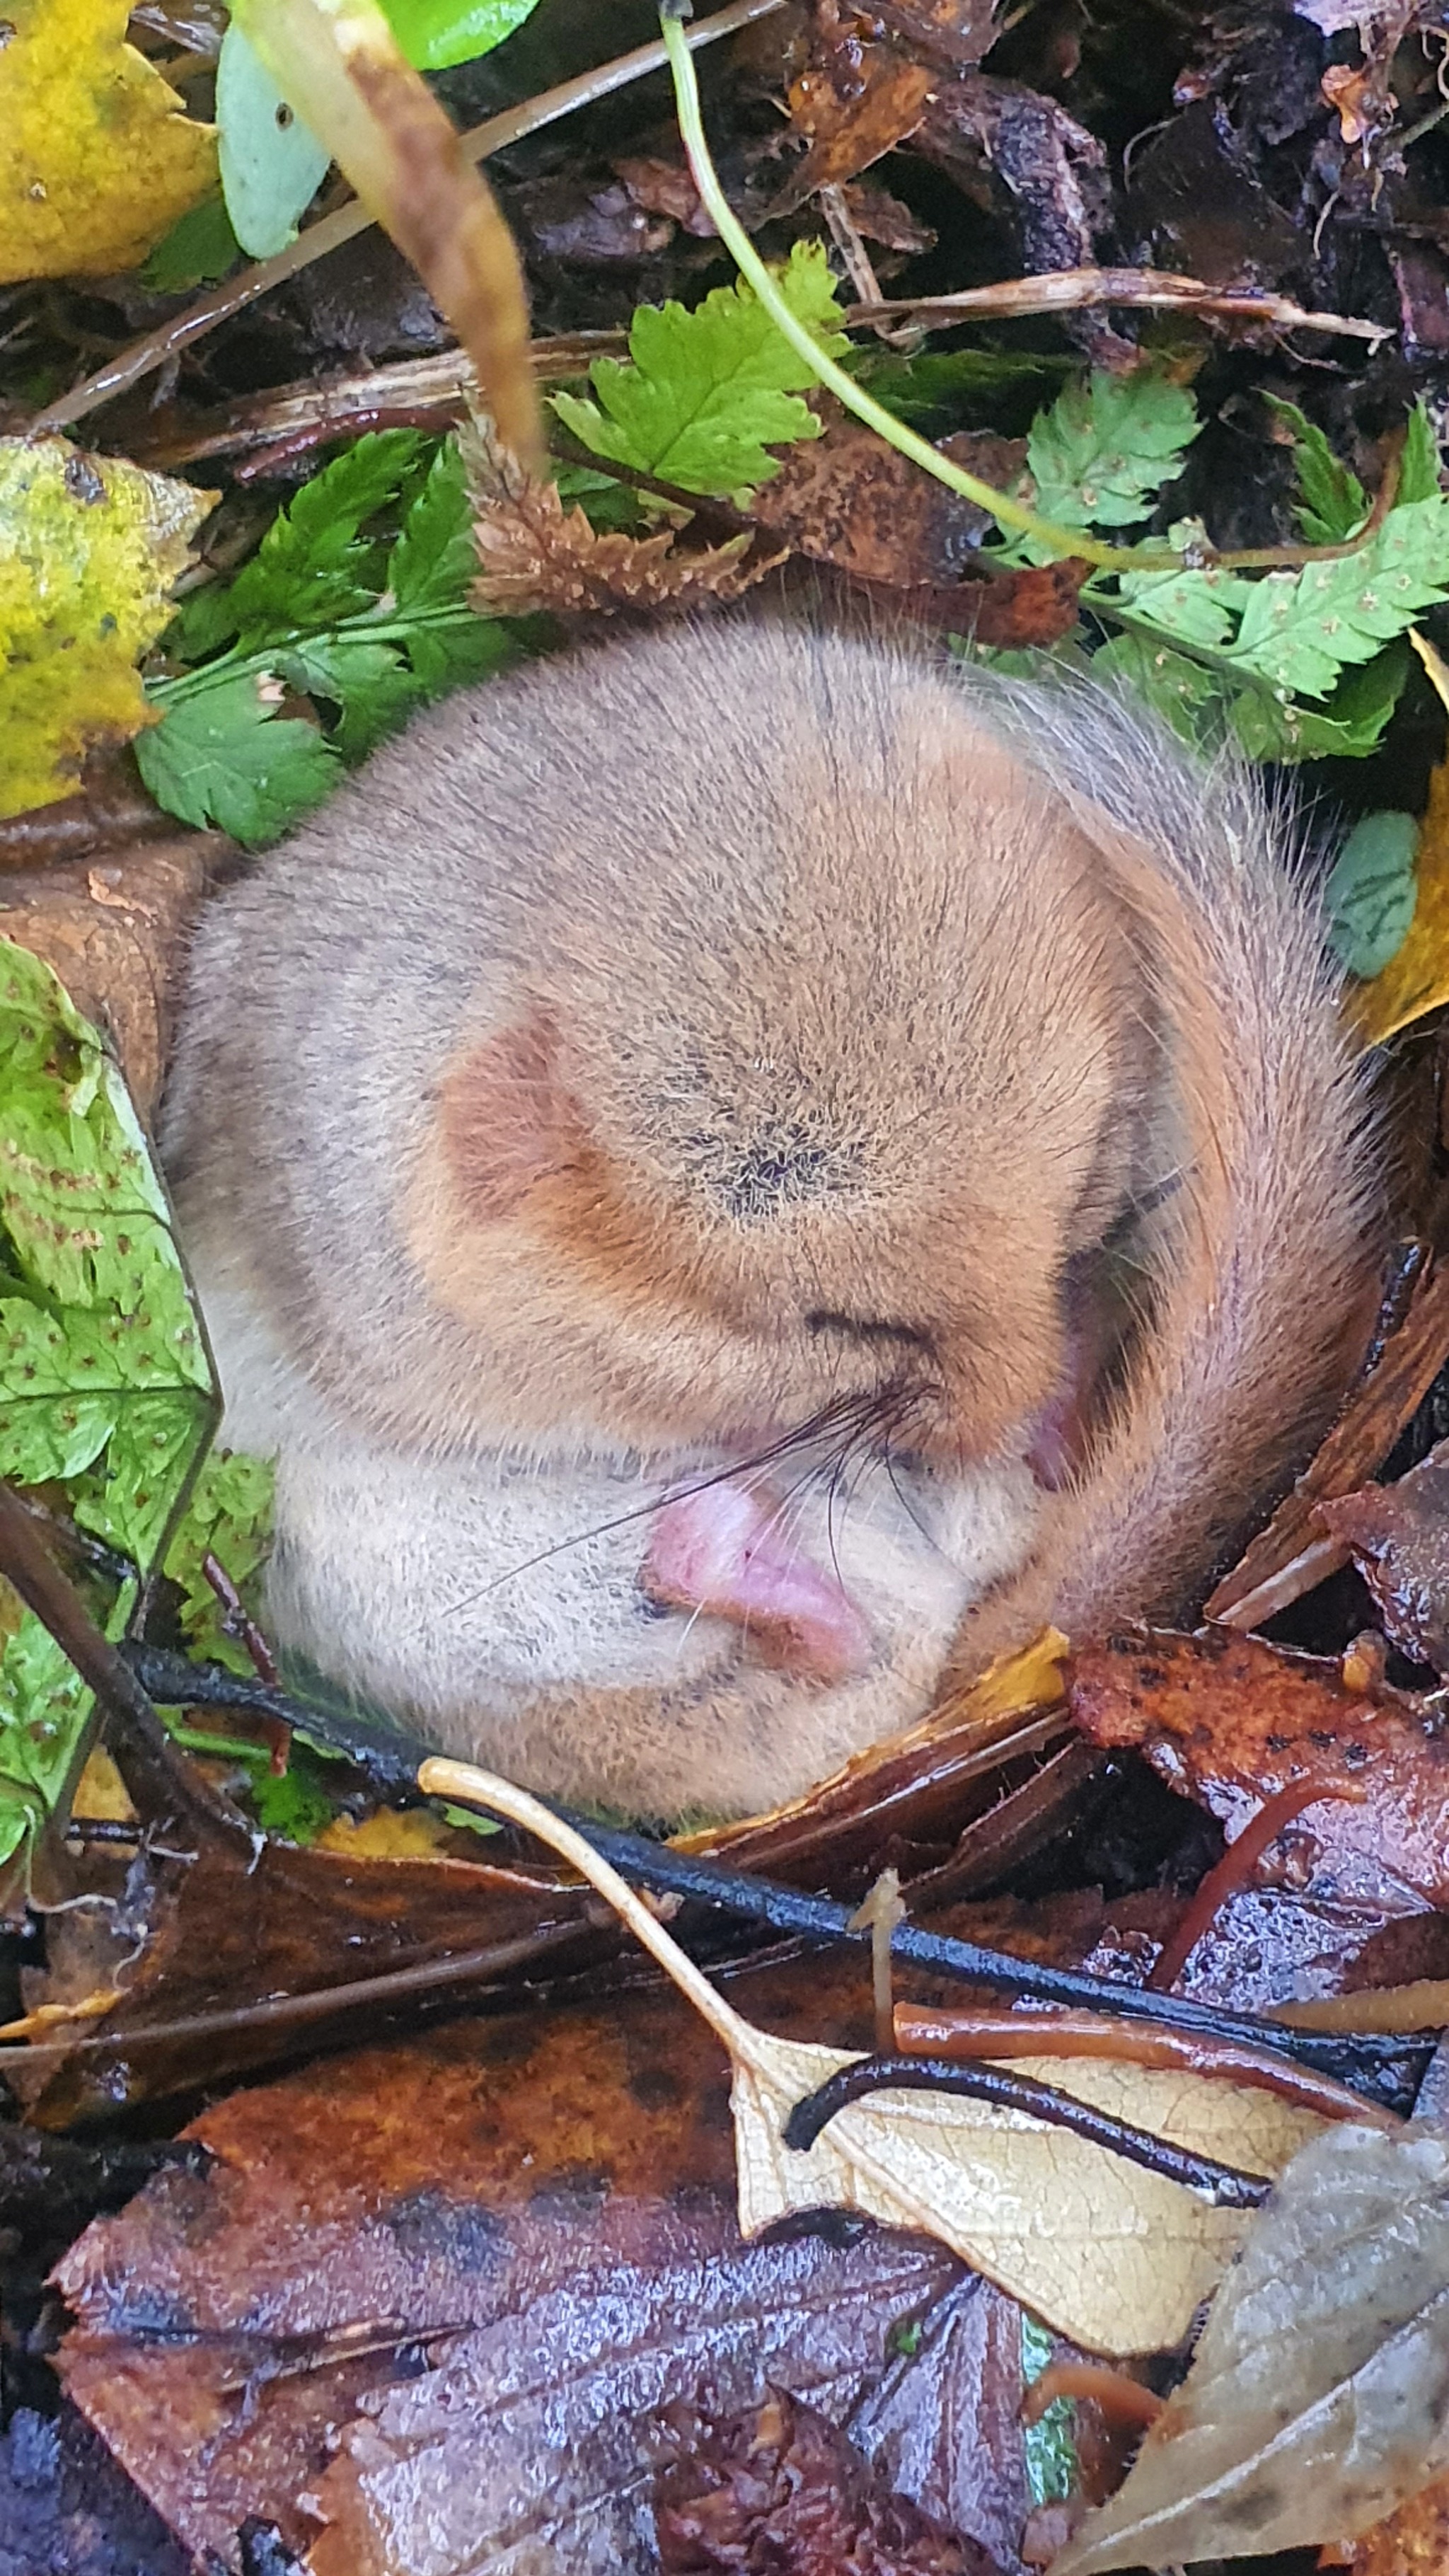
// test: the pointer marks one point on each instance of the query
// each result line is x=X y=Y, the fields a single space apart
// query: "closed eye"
x=869 y=1328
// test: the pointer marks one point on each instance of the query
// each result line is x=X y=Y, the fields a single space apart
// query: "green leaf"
x=435 y=34
x=105 y=1384
x=1188 y=696
x=1372 y=892
x=370 y=683
x=1348 y=728
x=1419 y=463
x=271 y=165
x=221 y=755
x=229 y=1517
x=199 y=250
x=938 y=384
x=1334 y=504
x=1049 y=2446
x=706 y=393
x=433 y=560
x=1299 y=629
x=458 y=650
x=1102 y=453
x=309 y=571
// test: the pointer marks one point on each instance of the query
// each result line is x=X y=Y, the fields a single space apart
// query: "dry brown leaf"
x=1399 y=1537
x=1413 y=2542
x=1318 y=2398
x=1112 y=2256
x=537 y=557
x=115 y=932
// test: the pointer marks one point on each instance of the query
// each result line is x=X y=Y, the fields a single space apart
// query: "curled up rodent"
x=740 y=1170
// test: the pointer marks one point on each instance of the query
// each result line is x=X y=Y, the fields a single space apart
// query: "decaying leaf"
x=1230 y=1721
x=1113 y=2256
x=1413 y=2541
x=781 y=2491
x=100 y=159
x=89 y=549
x=536 y=555
x=1318 y=2398
x=115 y=932
x=1399 y=1536
x=851 y=499
x=338 y=64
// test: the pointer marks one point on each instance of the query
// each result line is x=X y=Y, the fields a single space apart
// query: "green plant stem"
x=363 y=628
x=1009 y=512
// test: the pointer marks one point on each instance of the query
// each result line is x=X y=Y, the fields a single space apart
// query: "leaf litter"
x=275 y=676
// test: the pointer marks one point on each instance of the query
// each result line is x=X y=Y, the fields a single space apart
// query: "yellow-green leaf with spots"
x=89 y=549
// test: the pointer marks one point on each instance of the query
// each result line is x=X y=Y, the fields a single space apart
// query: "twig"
x=1122 y=2399
x=1231 y=1872
x=1063 y=290
x=146 y=355
x=948 y=2030
x=1385 y=2073
x=1009 y=512
x=1223 y=2186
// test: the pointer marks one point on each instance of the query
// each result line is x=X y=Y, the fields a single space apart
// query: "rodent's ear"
x=504 y=1120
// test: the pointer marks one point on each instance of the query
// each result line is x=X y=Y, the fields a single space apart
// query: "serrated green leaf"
x=1101 y=454
x=198 y=251
x=310 y=571
x=1188 y=696
x=105 y=1385
x=221 y=755
x=1372 y=892
x=1300 y=629
x=1419 y=463
x=706 y=393
x=458 y=650
x=229 y=1517
x=1349 y=727
x=1334 y=503
x=936 y=384
x=435 y=34
x=433 y=560
x=370 y=683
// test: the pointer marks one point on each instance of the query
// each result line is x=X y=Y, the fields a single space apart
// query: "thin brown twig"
x=145 y=355
x=1064 y=290
x=1231 y=1872
x=977 y=2030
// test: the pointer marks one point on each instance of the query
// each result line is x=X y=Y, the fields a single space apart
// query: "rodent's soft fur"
x=780 y=1071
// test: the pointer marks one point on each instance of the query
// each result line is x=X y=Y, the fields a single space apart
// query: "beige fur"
x=552 y=1114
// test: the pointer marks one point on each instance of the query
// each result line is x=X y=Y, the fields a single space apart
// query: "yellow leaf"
x=1109 y=2254
x=89 y=549
x=100 y=158
x=1417 y=980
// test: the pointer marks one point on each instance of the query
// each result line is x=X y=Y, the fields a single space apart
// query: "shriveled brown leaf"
x=536 y=557
x=853 y=114
x=1399 y=1538
x=115 y=931
x=1229 y=1721
x=781 y=2491
x=851 y=499
x=1318 y=2398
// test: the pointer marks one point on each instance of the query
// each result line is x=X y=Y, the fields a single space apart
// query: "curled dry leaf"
x=535 y=556
x=1111 y=2255
x=1231 y=1721
x=1318 y=2398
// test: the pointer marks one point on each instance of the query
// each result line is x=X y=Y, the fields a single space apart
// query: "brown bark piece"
x=1229 y=1721
x=115 y=930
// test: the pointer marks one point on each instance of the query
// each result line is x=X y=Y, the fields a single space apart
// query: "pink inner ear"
x=502 y=1118
x=726 y=1550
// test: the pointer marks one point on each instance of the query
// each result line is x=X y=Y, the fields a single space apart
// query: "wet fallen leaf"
x=1399 y=1537
x=1416 y=978
x=781 y=2491
x=851 y=499
x=115 y=932
x=1229 y=1720
x=537 y=556
x=1413 y=2541
x=1111 y=2255
x=89 y=549
x=1318 y=2398
x=100 y=159
x=443 y=2288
